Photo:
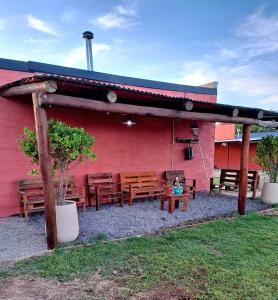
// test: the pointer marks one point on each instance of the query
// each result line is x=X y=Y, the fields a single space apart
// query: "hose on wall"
x=203 y=160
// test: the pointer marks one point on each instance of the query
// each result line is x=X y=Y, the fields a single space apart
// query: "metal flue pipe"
x=88 y=36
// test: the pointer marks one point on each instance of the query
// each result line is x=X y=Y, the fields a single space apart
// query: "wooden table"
x=172 y=200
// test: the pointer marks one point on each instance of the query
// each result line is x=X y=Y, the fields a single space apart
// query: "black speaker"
x=188 y=153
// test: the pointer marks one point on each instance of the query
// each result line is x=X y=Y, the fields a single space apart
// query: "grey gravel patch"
x=144 y=217
x=19 y=238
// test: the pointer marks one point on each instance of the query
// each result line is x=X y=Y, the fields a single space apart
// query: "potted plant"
x=267 y=157
x=68 y=147
x=177 y=188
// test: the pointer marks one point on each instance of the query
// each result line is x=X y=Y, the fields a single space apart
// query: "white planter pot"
x=270 y=193
x=67 y=222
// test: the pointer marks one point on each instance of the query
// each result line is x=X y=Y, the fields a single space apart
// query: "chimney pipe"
x=88 y=36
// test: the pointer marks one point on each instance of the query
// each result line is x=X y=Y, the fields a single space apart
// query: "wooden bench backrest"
x=35 y=185
x=228 y=176
x=171 y=176
x=99 y=179
x=138 y=180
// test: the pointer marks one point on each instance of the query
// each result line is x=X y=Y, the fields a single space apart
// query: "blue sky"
x=190 y=42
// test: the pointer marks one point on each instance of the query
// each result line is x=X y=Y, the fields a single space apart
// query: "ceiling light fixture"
x=128 y=121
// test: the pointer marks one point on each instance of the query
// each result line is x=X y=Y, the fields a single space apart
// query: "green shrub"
x=68 y=147
x=267 y=156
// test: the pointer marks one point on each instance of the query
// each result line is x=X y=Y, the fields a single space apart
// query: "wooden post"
x=45 y=168
x=243 y=178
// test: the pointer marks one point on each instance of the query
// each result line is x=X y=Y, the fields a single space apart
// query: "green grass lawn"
x=225 y=259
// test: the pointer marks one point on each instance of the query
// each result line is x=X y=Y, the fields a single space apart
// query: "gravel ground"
x=19 y=238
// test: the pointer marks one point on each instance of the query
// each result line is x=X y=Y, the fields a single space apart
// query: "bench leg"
x=89 y=197
x=254 y=193
x=97 y=203
x=26 y=217
x=161 y=202
x=194 y=194
x=20 y=212
x=84 y=206
x=130 y=200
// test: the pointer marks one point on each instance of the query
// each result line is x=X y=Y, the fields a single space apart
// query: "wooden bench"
x=229 y=180
x=31 y=198
x=136 y=185
x=170 y=176
x=102 y=189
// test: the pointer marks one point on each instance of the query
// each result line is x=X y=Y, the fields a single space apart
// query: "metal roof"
x=87 y=88
x=32 y=66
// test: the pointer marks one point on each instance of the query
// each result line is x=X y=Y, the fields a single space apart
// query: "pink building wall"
x=227 y=156
x=146 y=146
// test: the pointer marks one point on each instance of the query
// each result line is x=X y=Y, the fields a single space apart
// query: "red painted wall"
x=146 y=146
x=227 y=155
x=224 y=131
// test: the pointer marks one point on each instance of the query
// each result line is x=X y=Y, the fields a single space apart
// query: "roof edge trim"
x=32 y=66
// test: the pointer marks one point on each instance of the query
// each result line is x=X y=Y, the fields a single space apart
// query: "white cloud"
x=270 y=100
x=40 y=25
x=196 y=73
x=2 y=24
x=244 y=64
x=112 y=21
x=125 y=10
x=120 y=17
x=44 y=42
x=258 y=25
x=68 y=16
x=77 y=56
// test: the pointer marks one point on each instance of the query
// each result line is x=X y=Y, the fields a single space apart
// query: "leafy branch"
x=68 y=147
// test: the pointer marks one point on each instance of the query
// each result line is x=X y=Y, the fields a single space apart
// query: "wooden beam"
x=76 y=102
x=49 y=86
x=235 y=112
x=46 y=171
x=260 y=114
x=188 y=105
x=243 y=177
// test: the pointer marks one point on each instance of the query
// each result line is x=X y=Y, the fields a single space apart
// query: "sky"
x=193 y=42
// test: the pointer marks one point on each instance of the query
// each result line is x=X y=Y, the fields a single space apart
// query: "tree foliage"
x=267 y=156
x=254 y=128
x=68 y=147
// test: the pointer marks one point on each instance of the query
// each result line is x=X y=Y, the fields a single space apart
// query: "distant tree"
x=267 y=156
x=254 y=128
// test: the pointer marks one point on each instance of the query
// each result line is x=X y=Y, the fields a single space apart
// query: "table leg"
x=177 y=203
x=171 y=203
x=185 y=203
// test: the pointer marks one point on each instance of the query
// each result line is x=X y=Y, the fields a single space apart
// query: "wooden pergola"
x=55 y=90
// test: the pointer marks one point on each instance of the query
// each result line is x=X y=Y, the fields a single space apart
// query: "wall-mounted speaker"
x=188 y=153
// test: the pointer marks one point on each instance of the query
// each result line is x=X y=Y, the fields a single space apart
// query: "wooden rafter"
x=76 y=102
x=49 y=86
